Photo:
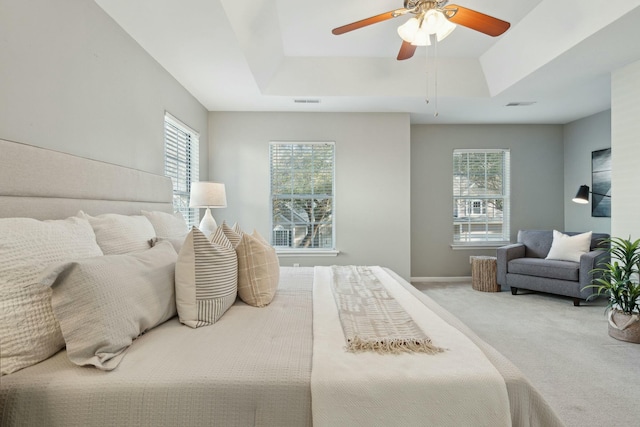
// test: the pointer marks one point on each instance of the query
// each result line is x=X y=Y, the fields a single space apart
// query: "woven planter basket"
x=624 y=327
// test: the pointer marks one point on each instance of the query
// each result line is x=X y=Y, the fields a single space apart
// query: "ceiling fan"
x=431 y=17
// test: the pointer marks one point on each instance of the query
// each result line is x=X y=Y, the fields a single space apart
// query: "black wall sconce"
x=582 y=196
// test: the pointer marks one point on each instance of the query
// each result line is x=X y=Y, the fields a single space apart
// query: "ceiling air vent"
x=520 y=104
x=306 y=101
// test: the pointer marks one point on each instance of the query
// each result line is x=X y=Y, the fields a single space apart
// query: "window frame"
x=182 y=165
x=470 y=201
x=292 y=250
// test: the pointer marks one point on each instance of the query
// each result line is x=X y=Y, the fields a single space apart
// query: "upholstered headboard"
x=45 y=184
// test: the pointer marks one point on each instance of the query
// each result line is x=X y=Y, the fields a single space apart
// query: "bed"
x=254 y=367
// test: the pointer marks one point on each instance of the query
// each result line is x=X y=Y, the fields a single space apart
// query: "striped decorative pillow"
x=206 y=280
x=234 y=236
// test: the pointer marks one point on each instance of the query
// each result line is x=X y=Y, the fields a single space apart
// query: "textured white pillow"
x=170 y=226
x=569 y=248
x=121 y=234
x=29 y=332
x=206 y=278
x=104 y=303
x=258 y=270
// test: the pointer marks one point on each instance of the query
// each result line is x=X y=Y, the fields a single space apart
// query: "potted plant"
x=619 y=280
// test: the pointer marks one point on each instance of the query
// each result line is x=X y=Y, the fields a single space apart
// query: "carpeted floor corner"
x=589 y=378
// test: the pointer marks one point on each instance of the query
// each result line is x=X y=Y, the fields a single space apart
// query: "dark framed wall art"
x=601 y=183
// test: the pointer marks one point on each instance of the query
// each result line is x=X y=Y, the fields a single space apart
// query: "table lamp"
x=207 y=195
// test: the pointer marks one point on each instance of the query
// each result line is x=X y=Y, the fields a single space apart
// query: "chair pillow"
x=258 y=270
x=29 y=331
x=121 y=234
x=206 y=279
x=104 y=303
x=569 y=248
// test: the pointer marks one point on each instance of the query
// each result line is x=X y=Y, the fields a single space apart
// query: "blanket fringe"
x=393 y=346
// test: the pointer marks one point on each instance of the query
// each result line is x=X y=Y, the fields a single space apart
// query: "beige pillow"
x=233 y=236
x=258 y=270
x=29 y=331
x=104 y=303
x=206 y=278
x=236 y=228
x=569 y=248
x=121 y=234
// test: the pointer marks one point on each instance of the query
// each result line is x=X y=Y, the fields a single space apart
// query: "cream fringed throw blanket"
x=457 y=387
x=371 y=318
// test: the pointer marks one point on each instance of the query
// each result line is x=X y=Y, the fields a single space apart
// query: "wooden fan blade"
x=368 y=21
x=475 y=20
x=406 y=51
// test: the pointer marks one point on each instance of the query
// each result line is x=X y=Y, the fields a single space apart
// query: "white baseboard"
x=440 y=279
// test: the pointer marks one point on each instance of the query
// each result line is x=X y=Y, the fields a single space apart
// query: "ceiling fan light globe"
x=421 y=38
x=407 y=31
x=445 y=28
x=432 y=21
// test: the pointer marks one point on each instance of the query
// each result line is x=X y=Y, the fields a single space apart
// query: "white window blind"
x=181 y=154
x=302 y=188
x=481 y=193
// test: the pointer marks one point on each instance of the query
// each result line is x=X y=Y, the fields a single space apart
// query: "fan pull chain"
x=435 y=75
x=426 y=67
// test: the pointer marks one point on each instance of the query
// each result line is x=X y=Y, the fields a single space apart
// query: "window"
x=480 y=197
x=302 y=177
x=181 y=153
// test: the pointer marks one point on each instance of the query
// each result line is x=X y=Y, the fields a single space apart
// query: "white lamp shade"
x=421 y=38
x=207 y=195
x=445 y=27
x=431 y=21
x=407 y=31
x=417 y=30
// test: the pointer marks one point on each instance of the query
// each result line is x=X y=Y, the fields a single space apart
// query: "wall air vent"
x=306 y=101
x=520 y=104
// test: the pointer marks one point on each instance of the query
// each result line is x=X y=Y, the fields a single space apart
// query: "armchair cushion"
x=563 y=270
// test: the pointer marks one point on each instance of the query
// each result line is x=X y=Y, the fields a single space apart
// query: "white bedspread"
x=459 y=387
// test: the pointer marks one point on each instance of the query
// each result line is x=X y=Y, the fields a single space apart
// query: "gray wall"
x=581 y=137
x=372 y=202
x=72 y=80
x=537 y=195
x=625 y=151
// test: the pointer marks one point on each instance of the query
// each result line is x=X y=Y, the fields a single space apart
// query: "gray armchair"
x=522 y=265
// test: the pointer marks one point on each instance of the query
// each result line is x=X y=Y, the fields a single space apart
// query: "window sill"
x=306 y=252
x=478 y=245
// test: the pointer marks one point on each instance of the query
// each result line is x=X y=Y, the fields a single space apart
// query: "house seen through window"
x=302 y=188
x=481 y=194
x=181 y=154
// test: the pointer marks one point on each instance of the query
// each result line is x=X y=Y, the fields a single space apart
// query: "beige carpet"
x=589 y=378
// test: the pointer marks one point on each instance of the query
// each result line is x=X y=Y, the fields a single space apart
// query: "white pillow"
x=29 y=331
x=166 y=225
x=104 y=303
x=206 y=278
x=569 y=248
x=121 y=234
